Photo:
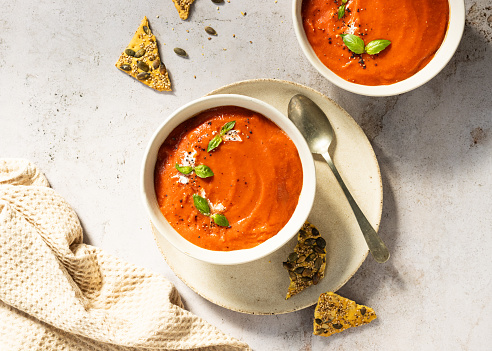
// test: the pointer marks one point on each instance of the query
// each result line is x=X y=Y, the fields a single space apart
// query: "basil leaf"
x=201 y=204
x=341 y=11
x=353 y=42
x=203 y=171
x=214 y=143
x=220 y=220
x=376 y=46
x=227 y=127
x=183 y=169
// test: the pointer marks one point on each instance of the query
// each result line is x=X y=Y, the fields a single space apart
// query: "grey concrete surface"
x=64 y=106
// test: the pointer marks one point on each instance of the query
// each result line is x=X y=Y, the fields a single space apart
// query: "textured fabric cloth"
x=57 y=293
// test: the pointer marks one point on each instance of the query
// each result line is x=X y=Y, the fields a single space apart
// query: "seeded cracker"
x=306 y=265
x=142 y=61
x=335 y=313
x=183 y=7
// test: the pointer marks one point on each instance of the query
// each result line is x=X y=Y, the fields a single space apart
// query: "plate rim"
x=377 y=225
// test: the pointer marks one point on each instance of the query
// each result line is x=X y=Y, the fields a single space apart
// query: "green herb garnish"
x=341 y=11
x=214 y=142
x=184 y=169
x=227 y=127
x=203 y=171
x=376 y=46
x=220 y=220
x=353 y=42
x=356 y=44
x=201 y=204
x=218 y=138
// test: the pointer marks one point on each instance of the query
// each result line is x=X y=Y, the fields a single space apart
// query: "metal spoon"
x=318 y=132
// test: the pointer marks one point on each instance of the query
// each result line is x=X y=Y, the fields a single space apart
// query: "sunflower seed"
x=217 y=1
x=318 y=321
x=301 y=259
x=299 y=270
x=317 y=263
x=146 y=29
x=318 y=249
x=337 y=326
x=314 y=231
x=316 y=278
x=311 y=257
x=307 y=272
x=126 y=67
x=287 y=265
x=156 y=64
x=129 y=52
x=180 y=52
x=363 y=311
x=310 y=242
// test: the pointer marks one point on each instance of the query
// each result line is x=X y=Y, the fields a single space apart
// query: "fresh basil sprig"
x=214 y=142
x=218 y=138
x=376 y=46
x=220 y=220
x=341 y=9
x=356 y=44
x=201 y=204
x=202 y=171
x=227 y=127
x=184 y=169
x=203 y=207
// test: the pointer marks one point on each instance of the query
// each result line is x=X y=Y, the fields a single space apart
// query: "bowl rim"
x=191 y=109
x=443 y=55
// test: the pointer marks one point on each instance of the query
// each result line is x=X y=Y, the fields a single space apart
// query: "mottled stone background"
x=65 y=106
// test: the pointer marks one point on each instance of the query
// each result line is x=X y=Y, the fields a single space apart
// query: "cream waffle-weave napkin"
x=57 y=293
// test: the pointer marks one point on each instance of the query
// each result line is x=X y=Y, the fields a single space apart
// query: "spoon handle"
x=378 y=249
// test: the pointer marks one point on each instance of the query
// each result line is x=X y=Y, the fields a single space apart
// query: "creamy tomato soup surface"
x=416 y=29
x=256 y=183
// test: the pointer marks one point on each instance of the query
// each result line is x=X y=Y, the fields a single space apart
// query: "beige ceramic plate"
x=260 y=287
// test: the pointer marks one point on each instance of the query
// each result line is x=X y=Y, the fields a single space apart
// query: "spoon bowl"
x=318 y=132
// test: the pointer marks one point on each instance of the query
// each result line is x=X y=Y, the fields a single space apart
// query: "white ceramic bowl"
x=441 y=58
x=300 y=214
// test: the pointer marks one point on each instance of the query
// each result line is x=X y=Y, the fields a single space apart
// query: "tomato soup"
x=256 y=182
x=416 y=29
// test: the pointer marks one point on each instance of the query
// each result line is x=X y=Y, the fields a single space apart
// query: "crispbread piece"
x=142 y=61
x=306 y=265
x=183 y=7
x=335 y=313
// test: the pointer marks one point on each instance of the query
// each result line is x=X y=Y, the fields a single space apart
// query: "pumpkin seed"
x=321 y=242
x=310 y=241
x=126 y=67
x=217 y=1
x=146 y=29
x=287 y=265
x=307 y=272
x=143 y=66
x=180 y=52
x=337 y=326
x=311 y=257
x=302 y=233
x=129 y=52
x=156 y=64
x=292 y=275
x=162 y=69
x=210 y=30
x=325 y=326
x=301 y=259
x=143 y=76
x=315 y=231
x=140 y=53
x=299 y=270
x=363 y=311
x=306 y=279
x=318 y=321
x=317 y=263
x=316 y=278
x=318 y=249
x=292 y=257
